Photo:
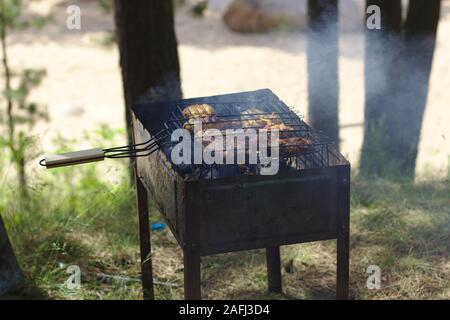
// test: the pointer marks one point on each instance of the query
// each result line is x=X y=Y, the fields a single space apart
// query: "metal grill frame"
x=320 y=153
x=239 y=212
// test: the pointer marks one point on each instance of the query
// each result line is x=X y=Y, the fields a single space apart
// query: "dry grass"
x=73 y=217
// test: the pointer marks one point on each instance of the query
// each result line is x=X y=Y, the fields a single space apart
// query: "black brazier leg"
x=144 y=239
x=273 y=269
x=192 y=277
x=342 y=268
x=343 y=241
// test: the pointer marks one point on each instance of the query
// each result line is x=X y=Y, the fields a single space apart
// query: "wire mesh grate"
x=300 y=147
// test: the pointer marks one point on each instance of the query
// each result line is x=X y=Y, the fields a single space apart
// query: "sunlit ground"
x=83 y=87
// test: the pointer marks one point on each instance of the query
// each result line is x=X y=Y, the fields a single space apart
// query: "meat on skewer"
x=251 y=118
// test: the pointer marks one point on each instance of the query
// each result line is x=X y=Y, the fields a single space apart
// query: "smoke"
x=397 y=71
x=398 y=64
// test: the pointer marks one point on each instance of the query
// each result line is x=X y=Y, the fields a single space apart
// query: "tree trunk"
x=323 y=54
x=419 y=40
x=148 y=52
x=398 y=66
x=382 y=47
x=10 y=275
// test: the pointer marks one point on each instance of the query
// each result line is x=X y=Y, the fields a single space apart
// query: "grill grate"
x=316 y=150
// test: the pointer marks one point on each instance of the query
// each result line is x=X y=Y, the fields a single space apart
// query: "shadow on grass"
x=246 y=271
x=406 y=218
x=27 y=291
x=44 y=261
x=404 y=228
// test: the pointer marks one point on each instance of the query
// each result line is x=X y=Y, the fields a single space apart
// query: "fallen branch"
x=106 y=278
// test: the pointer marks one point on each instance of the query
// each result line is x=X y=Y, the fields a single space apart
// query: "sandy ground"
x=83 y=87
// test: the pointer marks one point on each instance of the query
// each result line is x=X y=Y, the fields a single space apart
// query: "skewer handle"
x=73 y=158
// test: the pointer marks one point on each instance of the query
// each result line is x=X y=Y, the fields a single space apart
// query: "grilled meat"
x=295 y=144
x=206 y=121
x=199 y=111
x=251 y=118
x=256 y=118
x=213 y=122
x=280 y=127
x=207 y=115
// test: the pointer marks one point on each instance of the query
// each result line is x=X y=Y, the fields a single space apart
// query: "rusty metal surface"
x=164 y=184
x=239 y=212
x=249 y=212
x=343 y=233
x=273 y=262
x=144 y=240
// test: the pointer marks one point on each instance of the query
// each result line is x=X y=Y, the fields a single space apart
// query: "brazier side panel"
x=164 y=185
x=267 y=209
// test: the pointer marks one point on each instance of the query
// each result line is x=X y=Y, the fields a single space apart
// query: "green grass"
x=81 y=216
